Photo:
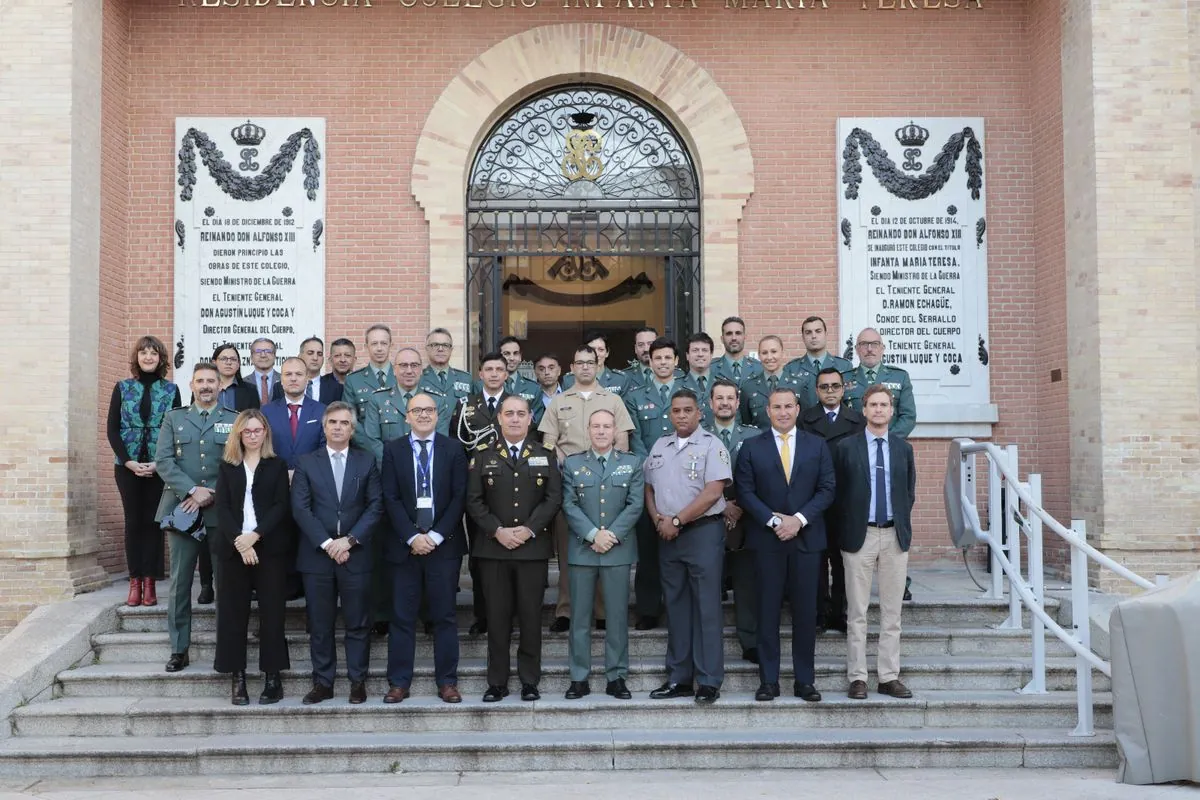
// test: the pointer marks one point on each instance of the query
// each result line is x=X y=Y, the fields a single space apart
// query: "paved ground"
x=890 y=784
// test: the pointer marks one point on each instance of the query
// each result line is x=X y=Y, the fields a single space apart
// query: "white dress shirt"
x=416 y=450
x=249 y=518
x=791 y=434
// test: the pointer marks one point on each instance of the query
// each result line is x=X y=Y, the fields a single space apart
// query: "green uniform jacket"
x=456 y=384
x=385 y=419
x=502 y=493
x=651 y=417
x=690 y=381
x=757 y=392
x=804 y=365
x=904 y=413
x=614 y=380
x=361 y=384
x=735 y=538
x=189 y=455
x=612 y=497
x=639 y=375
x=723 y=367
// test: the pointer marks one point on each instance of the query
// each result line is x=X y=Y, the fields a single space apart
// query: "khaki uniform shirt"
x=565 y=422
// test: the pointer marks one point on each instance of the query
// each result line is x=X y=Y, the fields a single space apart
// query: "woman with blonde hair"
x=254 y=545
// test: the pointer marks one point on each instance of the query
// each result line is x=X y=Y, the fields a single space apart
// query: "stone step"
x=914 y=642
x=209 y=716
x=929 y=610
x=929 y=673
x=694 y=748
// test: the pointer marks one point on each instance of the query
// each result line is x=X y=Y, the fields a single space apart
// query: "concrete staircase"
x=118 y=713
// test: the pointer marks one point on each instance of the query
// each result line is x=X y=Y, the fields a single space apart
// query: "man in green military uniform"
x=872 y=370
x=385 y=417
x=439 y=375
x=638 y=370
x=515 y=383
x=377 y=374
x=739 y=563
x=756 y=392
x=649 y=406
x=603 y=495
x=514 y=489
x=191 y=444
x=816 y=357
x=699 y=377
x=734 y=365
x=612 y=380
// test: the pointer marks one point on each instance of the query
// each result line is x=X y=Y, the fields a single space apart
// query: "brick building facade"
x=1093 y=213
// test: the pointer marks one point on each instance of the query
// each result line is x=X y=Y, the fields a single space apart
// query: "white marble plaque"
x=912 y=253
x=249 y=235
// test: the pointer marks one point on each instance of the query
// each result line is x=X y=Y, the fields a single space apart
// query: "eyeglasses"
x=228 y=359
x=869 y=345
x=584 y=363
x=422 y=411
x=264 y=352
x=409 y=365
x=253 y=431
x=440 y=345
x=829 y=387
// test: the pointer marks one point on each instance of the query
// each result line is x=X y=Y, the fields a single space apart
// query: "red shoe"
x=149 y=592
x=135 y=592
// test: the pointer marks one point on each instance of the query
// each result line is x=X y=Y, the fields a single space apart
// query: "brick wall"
x=375 y=73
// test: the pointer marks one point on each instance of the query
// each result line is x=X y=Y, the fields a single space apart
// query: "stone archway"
x=541 y=57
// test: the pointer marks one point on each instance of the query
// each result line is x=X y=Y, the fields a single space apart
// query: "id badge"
x=424 y=502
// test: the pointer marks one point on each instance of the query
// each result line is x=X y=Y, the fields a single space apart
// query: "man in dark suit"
x=877 y=485
x=264 y=376
x=785 y=481
x=322 y=388
x=424 y=491
x=336 y=501
x=833 y=421
x=514 y=489
x=295 y=419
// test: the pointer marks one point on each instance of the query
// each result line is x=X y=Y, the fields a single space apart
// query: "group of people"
x=365 y=488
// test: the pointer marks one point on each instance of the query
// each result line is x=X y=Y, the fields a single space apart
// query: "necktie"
x=308 y=390
x=785 y=455
x=381 y=376
x=880 y=484
x=773 y=382
x=424 y=515
x=870 y=377
x=737 y=371
x=203 y=417
x=442 y=378
x=407 y=397
x=513 y=452
x=492 y=406
x=725 y=438
x=294 y=418
x=603 y=460
x=816 y=365
x=703 y=384
x=664 y=393
x=264 y=396
x=832 y=415
x=339 y=472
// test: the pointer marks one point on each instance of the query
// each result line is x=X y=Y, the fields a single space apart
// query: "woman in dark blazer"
x=255 y=548
x=135 y=415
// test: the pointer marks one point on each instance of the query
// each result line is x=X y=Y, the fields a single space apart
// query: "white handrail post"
x=995 y=513
x=1011 y=503
x=1081 y=622
x=1037 y=684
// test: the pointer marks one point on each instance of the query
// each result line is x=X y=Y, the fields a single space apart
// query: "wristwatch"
x=774 y=522
x=675 y=521
x=350 y=540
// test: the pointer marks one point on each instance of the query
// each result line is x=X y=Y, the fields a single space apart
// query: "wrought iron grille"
x=584 y=174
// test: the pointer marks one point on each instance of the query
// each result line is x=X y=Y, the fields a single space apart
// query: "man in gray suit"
x=602 y=501
x=190 y=446
x=876 y=487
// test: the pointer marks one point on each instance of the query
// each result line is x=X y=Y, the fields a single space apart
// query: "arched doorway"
x=583 y=212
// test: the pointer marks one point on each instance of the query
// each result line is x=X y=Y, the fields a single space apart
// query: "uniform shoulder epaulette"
x=546 y=446
x=479 y=448
x=359 y=371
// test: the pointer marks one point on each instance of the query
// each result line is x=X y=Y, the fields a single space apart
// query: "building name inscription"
x=865 y=5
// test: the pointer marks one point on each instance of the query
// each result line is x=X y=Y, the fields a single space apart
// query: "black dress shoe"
x=238 y=691
x=707 y=695
x=206 y=595
x=272 y=689
x=807 y=692
x=380 y=628
x=178 y=661
x=750 y=654
x=578 y=689
x=646 y=623
x=317 y=694
x=495 y=694
x=835 y=622
x=601 y=625
x=907 y=588
x=530 y=692
x=669 y=691
x=478 y=628
x=560 y=625
x=767 y=691
x=895 y=689
x=358 y=692
x=618 y=689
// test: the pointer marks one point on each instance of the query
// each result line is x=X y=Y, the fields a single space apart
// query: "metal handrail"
x=1006 y=561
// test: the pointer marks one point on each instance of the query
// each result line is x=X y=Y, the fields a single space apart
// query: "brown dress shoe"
x=858 y=690
x=358 y=692
x=394 y=695
x=449 y=694
x=135 y=592
x=149 y=592
x=317 y=694
x=895 y=689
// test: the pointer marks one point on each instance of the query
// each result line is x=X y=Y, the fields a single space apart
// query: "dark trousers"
x=831 y=587
x=519 y=586
x=206 y=567
x=143 y=536
x=434 y=579
x=647 y=580
x=479 y=604
x=791 y=575
x=381 y=576
x=691 y=566
x=322 y=591
x=739 y=566
x=269 y=580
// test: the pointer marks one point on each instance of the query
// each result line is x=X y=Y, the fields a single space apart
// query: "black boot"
x=238 y=692
x=272 y=689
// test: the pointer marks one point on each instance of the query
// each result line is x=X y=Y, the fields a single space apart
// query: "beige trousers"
x=882 y=549
x=563 y=608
